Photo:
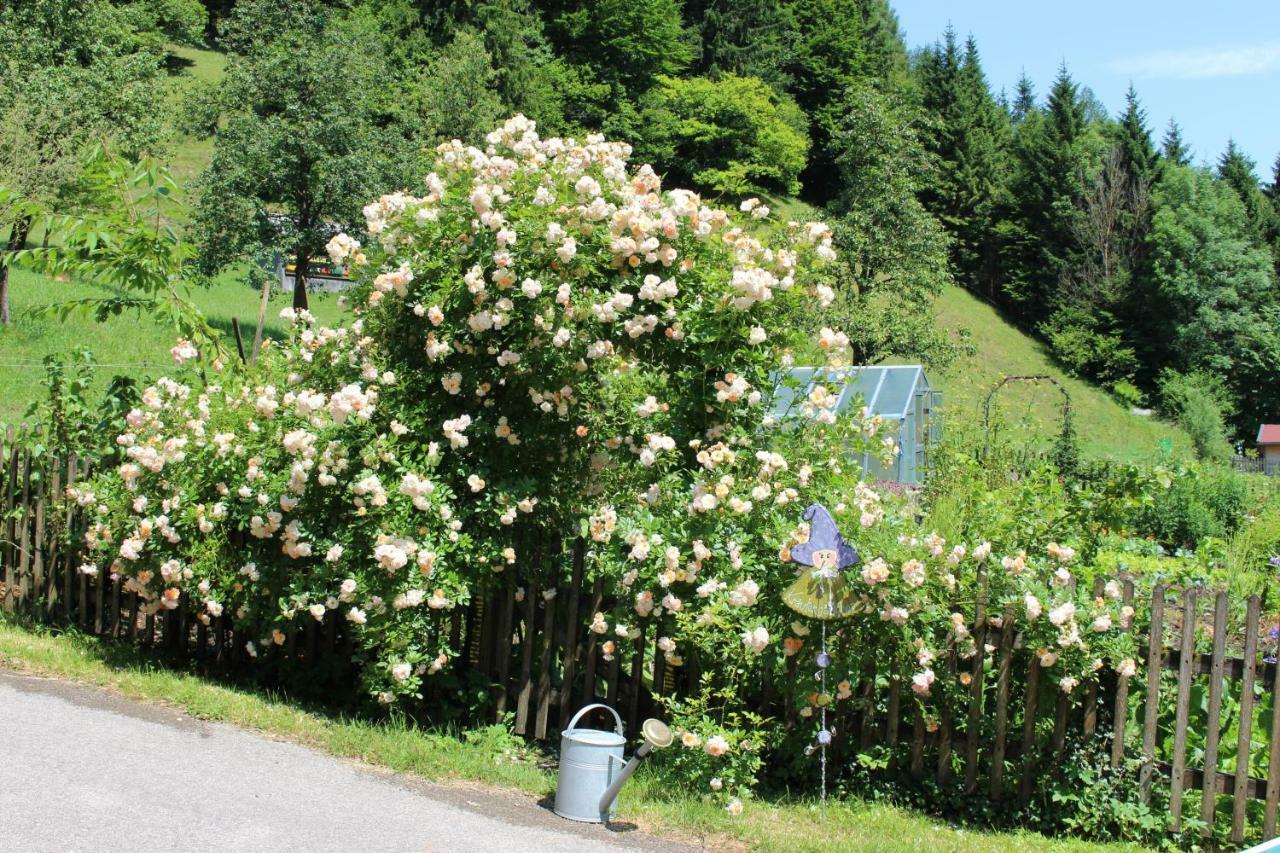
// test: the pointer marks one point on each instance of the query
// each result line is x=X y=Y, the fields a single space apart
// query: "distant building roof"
x=1269 y=434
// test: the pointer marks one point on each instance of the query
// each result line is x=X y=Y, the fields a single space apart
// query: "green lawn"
x=491 y=757
x=1104 y=427
x=129 y=344
x=191 y=66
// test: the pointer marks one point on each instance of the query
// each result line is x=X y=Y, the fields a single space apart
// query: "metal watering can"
x=592 y=769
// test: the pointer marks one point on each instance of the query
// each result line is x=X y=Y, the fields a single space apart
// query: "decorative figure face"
x=821 y=592
x=824 y=559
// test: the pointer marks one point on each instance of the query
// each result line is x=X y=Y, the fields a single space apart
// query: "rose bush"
x=547 y=341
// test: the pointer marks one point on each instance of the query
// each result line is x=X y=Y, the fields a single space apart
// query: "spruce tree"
x=827 y=58
x=1172 y=148
x=967 y=133
x=749 y=38
x=1138 y=155
x=1045 y=194
x=1024 y=99
x=1239 y=172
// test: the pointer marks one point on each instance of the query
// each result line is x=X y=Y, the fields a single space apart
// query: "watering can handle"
x=586 y=708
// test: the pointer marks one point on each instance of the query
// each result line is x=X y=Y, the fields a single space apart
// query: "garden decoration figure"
x=592 y=770
x=822 y=593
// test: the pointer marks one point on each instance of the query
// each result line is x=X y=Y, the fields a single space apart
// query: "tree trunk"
x=17 y=240
x=301 y=271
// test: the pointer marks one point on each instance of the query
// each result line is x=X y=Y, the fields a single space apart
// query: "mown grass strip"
x=491 y=757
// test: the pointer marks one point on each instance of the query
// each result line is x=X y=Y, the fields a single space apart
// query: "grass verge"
x=491 y=757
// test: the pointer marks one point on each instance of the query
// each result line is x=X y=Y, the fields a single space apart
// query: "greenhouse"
x=899 y=393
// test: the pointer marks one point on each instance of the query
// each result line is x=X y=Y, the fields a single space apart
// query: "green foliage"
x=301 y=133
x=1200 y=503
x=1128 y=394
x=627 y=44
x=968 y=135
x=455 y=94
x=1219 y=313
x=1195 y=402
x=733 y=135
x=1085 y=350
x=749 y=38
x=122 y=237
x=893 y=253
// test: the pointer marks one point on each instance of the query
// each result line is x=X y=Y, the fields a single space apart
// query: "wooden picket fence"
x=529 y=640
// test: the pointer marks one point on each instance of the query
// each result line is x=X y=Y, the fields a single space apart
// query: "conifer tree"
x=749 y=38
x=967 y=134
x=1138 y=155
x=1024 y=99
x=1045 y=195
x=1239 y=172
x=1172 y=148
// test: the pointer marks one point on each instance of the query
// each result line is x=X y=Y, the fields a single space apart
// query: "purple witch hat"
x=823 y=536
x=821 y=592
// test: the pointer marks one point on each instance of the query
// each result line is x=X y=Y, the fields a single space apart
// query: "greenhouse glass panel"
x=900 y=394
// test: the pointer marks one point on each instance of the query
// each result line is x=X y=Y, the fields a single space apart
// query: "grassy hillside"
x=191 y=67
x=1104 y=427
x=129 y=344
x=140 y=345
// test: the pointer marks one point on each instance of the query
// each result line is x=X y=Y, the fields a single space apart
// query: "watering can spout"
x=656 y=736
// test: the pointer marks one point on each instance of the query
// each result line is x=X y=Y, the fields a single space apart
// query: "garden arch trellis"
x=1066 y=436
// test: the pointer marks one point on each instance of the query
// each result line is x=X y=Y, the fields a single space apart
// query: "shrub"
x=733 y=134
x=1128 y=394
x=548 y=342
x=1196 y=404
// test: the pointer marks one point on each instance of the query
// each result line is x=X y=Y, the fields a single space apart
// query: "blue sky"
x=1214 y=66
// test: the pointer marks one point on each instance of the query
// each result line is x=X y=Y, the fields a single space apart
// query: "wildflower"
x=922 y=681
x=756 y=640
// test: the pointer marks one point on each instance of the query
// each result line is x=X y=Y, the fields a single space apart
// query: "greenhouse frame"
x=899 y=393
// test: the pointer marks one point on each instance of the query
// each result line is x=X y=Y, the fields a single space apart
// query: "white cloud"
x=1199 y=63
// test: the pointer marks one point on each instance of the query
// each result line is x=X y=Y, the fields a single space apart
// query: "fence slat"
x=1061 y=714
x=113 y=609
x=917 y=744
x=545 y=664
x=1183 y=709
x=526 y=658
x=613 y=676
x=572 y=629
x=659 y=661
x=1208 y=800
x=69 y=567
x=867 y=701
x=38 y=585
x=593 y=642
x=1005 y=665
x=974 y=722
x=505 y=648
x=9 y=548
x=1273 y=770
x=893 y=711
x=1151 y=702
x=1244 y=739
x=1121 y=713
x=24 y=533
x=944 y=729
x=1091 y=688
x=1029 y=729
x=637 y=679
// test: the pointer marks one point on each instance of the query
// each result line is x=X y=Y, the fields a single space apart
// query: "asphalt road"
x=84 y=770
